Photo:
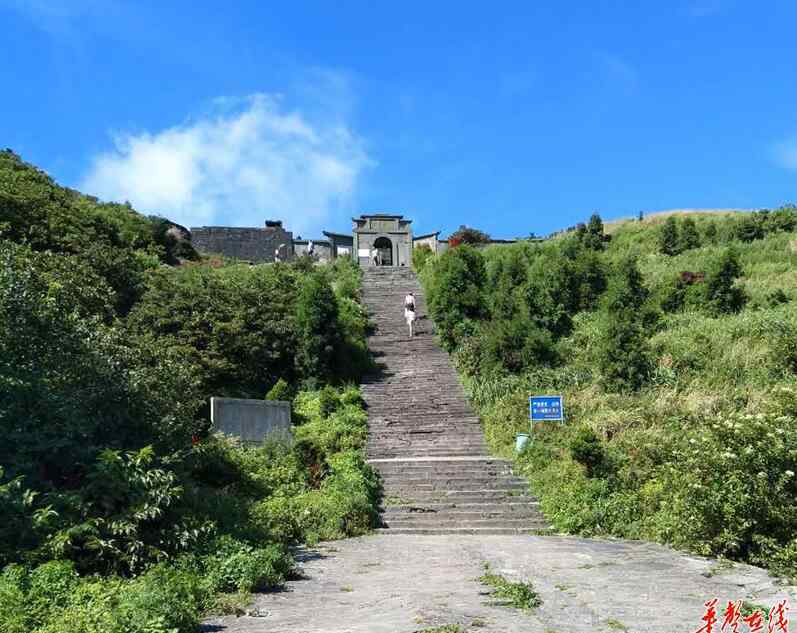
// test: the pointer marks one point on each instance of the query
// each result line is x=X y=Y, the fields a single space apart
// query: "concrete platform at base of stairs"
x=437 y=458
x=408 y=583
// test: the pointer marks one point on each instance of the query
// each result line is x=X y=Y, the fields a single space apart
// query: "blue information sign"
x=546 y=408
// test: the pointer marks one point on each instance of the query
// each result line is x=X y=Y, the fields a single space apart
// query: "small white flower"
x=789 y=473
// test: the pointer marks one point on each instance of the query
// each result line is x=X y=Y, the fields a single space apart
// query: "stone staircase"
x=423 y=437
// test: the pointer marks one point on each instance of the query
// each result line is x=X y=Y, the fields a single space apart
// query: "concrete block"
x=253 y=421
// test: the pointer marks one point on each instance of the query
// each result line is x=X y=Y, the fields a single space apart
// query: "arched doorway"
x=385 y=249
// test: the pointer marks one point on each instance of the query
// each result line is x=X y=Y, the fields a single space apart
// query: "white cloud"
x=245 y=161
x=786 y=154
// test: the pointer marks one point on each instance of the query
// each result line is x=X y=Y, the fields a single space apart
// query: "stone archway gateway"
x=384 y=247
x=391 y=235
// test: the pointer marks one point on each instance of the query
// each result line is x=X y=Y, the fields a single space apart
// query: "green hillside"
x=674 y=342
x=121 y=512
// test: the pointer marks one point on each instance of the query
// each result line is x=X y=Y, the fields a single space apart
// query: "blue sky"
x=511 y=117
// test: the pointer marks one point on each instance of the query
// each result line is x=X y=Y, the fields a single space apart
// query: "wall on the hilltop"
x=250 y=244
x=322 y=250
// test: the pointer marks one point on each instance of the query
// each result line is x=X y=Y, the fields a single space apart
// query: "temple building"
x=377 y=239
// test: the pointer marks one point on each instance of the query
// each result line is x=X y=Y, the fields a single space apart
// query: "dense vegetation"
x=674 y=342
x=121 y=512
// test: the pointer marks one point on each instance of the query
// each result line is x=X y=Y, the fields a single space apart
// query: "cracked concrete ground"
x=402 y=584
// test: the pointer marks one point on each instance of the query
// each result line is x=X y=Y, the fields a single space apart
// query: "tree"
x=669 y=243
x=467 y=235
x=627 y=290
x=624 y=355
x=506 y=278
x=71 y=386
x=516 y=343
x=592 y=238
x=318 y=334
x=690 y=238
x=457 y=291
x=235 y=324
x=710 y=232
x=723 y=295
x=749 y=228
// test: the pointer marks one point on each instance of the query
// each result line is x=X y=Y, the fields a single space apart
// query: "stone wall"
x=426 y=240
x=250 y=244
x=253 y=421
x=322 y=249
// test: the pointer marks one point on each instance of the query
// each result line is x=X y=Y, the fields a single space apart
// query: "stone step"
x=495 y=494
x=453 y=522
x=434 y=473
x=456 y=496
x=424 y=449
x=438 y=509
x=477 y=481
x=424 y=438
x=444 y=471
x=462 y=518
x=474 y=531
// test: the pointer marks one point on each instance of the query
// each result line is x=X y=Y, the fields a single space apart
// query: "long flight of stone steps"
x=423 y=437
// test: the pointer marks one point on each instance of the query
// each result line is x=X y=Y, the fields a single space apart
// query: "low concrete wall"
x=253 y=421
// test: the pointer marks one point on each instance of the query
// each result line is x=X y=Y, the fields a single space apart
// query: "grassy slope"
x=709 y=370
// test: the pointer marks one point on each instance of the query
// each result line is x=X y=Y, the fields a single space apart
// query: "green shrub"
x=722 y=293
x=624 y=356
x=14 y=616
x=749 y=228
x=93 y=608
x=689 y=237
x=238 y=566
x=516 y=344
x=420 y=255
x=456 y=292
x=318 y=333
x=164 y=598
x=117 y=519
x=71 y=386
x=669 y=238
x=593 y=236
x=587 y=450
x=280 y=391
x=346 y=504
x=235 y=325
x=710 y=232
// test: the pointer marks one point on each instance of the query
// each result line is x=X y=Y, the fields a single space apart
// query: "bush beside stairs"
x=423 y=437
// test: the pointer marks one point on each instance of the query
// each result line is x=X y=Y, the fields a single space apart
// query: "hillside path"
x=450 y=508
x=390 y=583
x=423 y=436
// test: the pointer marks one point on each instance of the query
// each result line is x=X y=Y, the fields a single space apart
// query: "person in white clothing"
x=409 y=311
